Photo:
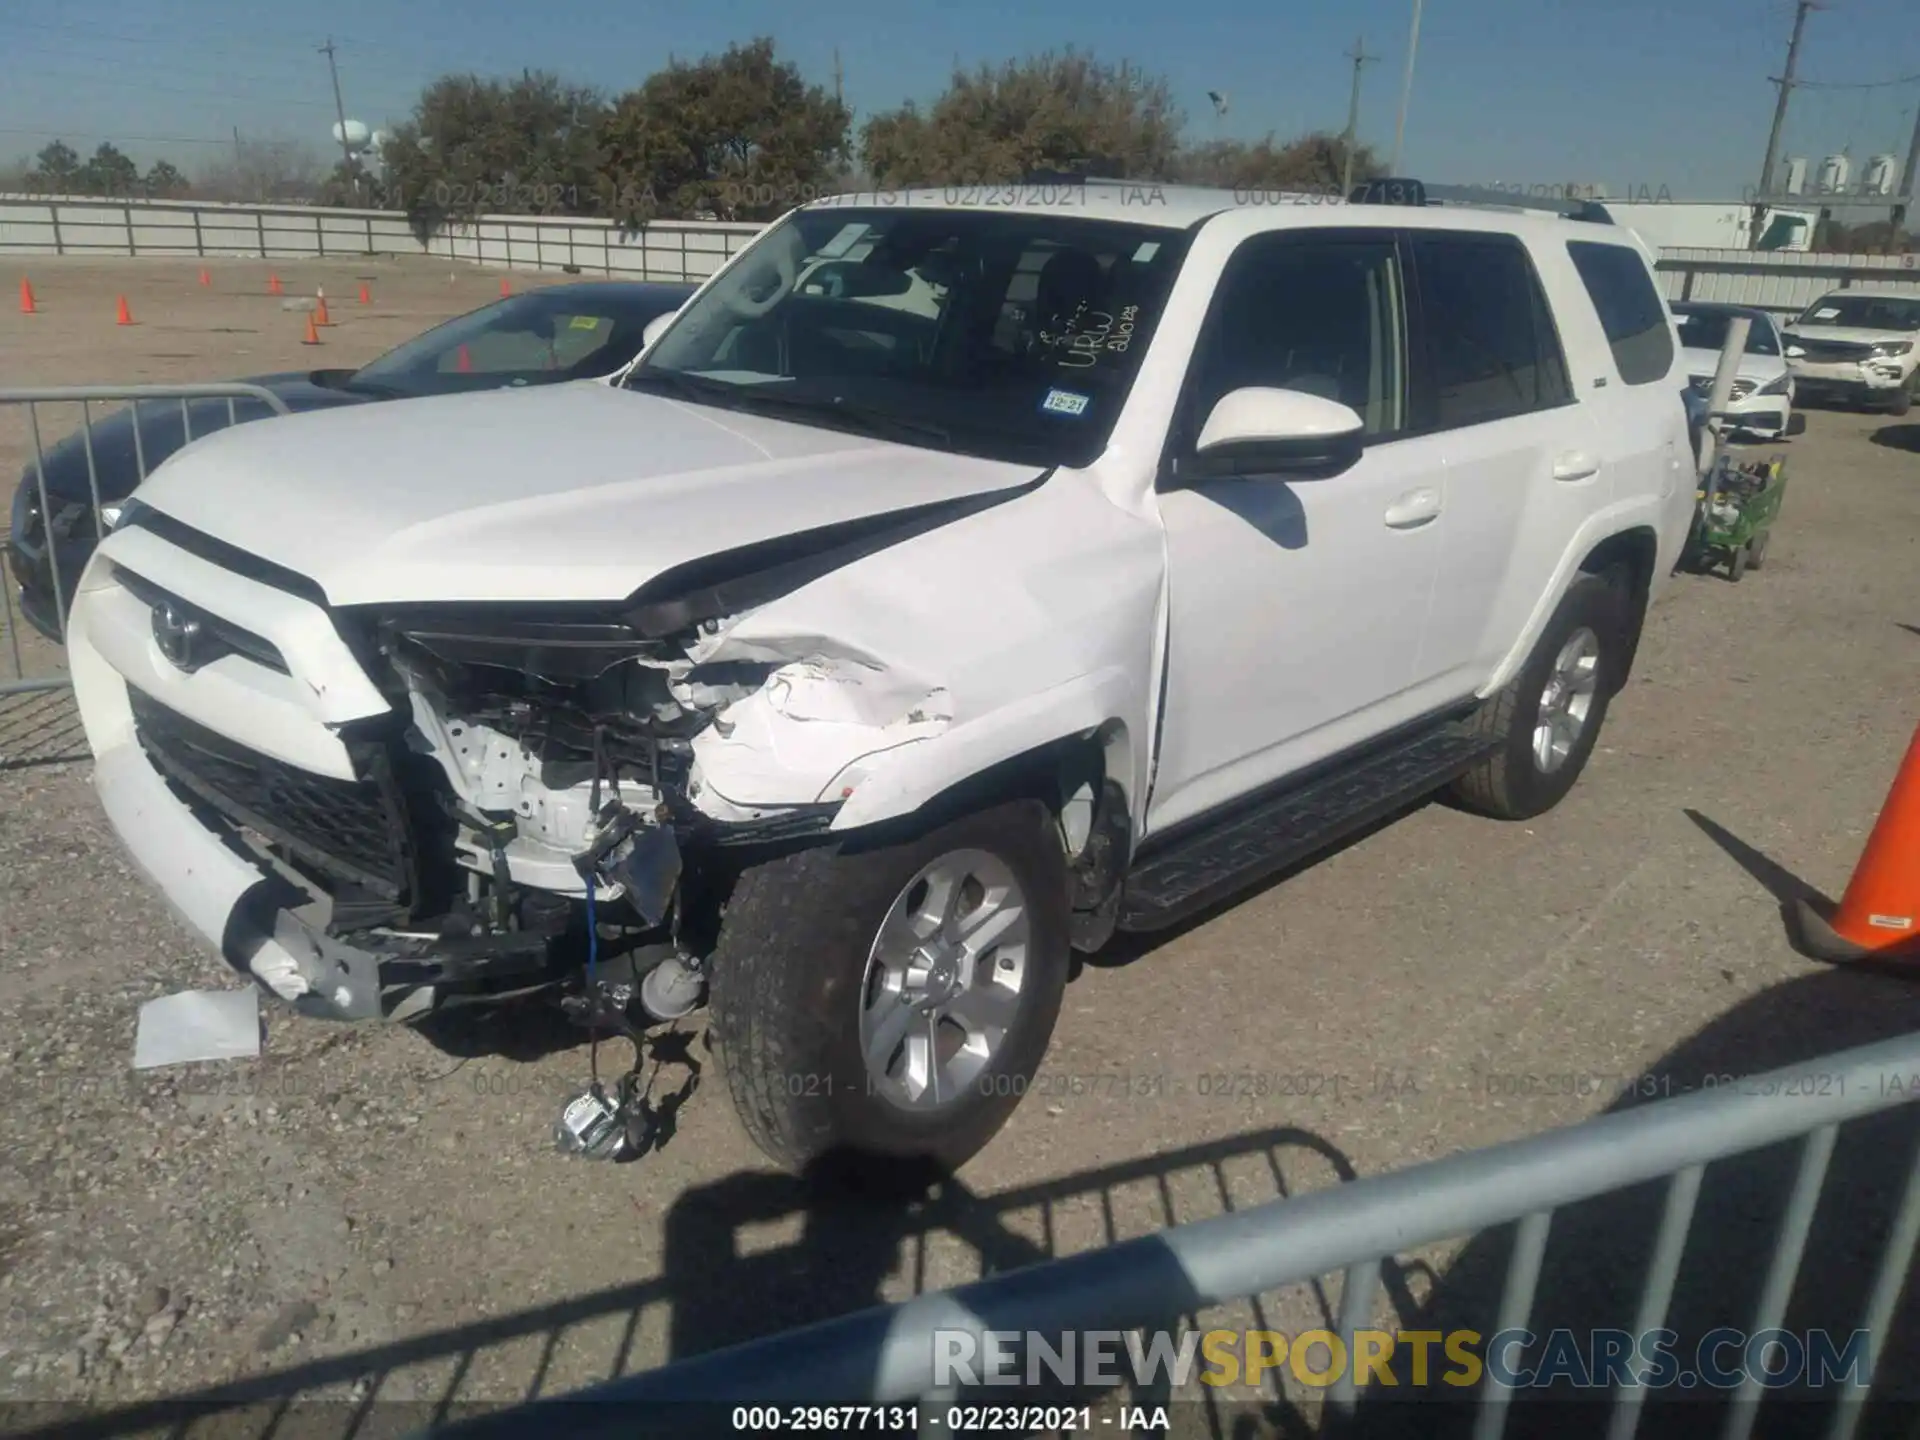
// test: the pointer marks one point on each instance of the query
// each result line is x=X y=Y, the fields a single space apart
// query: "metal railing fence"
x=50 y=532
x=886 y=1355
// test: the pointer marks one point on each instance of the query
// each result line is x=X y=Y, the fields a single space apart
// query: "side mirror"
x=1262 y=431
x=656 y=327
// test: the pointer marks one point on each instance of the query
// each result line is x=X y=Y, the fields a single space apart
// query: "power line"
x=66 y=134
x=1856 y=84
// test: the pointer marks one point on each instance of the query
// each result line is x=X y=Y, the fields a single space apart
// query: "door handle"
x=1414 y=509
x=1575 y=465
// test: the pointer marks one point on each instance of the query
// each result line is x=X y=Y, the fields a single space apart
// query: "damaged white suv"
x=848 y=663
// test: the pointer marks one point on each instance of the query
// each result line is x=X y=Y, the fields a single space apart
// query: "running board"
x=1195 y=870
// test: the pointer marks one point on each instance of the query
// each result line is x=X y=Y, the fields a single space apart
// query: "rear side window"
x=1491 y=349
x=1629 y=307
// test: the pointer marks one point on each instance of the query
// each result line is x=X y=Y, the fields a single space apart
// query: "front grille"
x=351 y=830
x=215 y=637
x=1828 y=352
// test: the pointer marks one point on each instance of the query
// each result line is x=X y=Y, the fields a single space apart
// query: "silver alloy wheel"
x=1567 y=700
x=944 y=980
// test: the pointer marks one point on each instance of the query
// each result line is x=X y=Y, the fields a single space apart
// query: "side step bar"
x=1195 y=870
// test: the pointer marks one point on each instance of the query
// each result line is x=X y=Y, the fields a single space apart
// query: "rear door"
x=1523 y=465
x=1640 y=409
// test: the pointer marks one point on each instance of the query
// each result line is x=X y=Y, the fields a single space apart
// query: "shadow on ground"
x=722 y=1284
x=1598 y=1252
x=1898 y=437
x=40 y=728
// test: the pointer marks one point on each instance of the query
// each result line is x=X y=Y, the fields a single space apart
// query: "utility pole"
x=1406 y=92
x=1785 y=82
x=1909 y=173
x=340 y=110
x=839 y=91
x=1359 y=57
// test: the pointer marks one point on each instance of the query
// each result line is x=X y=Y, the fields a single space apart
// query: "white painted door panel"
x=1297 y=611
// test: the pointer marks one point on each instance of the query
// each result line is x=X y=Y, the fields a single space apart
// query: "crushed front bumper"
x=263 y=917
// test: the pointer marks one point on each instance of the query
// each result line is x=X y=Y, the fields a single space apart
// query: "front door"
x=1297 y=607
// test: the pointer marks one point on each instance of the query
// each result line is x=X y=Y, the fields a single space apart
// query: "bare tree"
x=262 y=170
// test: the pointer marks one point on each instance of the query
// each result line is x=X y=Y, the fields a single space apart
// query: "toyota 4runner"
x=848 y=663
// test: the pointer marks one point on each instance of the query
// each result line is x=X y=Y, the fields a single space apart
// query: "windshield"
x=1864 y=312
x=543 y=337
x=1013 y=334
x=1707 y=330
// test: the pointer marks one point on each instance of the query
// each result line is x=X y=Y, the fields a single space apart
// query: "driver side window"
x=1300 y=312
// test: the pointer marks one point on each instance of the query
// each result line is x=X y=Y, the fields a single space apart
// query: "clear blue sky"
x=1630 y=93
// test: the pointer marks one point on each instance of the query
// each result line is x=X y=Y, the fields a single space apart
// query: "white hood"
x=568 y=492
x=1851 y=333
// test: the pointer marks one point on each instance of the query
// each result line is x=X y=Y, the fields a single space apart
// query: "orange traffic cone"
x=366 y=296
x=1879 y=916
x=505 y=288
x=205 y=278
x=122 y=315
x=274 y=286
x=312 y=337
x=320 y=311
x=27 y=307
x=463 y=362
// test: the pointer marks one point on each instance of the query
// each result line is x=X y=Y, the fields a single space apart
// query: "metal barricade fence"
x=886 y=1355
x=50 y=531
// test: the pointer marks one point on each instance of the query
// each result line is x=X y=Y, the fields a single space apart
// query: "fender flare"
x=1618 y=519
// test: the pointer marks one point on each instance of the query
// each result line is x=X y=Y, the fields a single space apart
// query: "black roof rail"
x=1571 y=207
x=1398 y=191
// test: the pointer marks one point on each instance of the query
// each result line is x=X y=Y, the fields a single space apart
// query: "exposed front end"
x=1851 y=371
x=374 y=813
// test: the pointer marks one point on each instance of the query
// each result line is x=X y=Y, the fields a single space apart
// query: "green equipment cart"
x=1734 y=511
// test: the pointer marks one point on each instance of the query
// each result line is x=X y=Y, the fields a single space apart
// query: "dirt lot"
x=385 y=1202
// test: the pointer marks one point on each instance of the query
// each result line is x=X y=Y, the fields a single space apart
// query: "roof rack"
x=1391 y=191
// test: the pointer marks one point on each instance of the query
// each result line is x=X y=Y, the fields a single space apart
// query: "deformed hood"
x=578 y=492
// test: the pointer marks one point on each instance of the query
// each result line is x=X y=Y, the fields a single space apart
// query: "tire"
x=1903 y=402
x=791 y=981
x=1757 y=550
x=1512 y=784
x=1737 y=564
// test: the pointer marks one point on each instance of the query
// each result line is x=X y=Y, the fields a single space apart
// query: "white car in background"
x=1763 y=387
x=1860 y=346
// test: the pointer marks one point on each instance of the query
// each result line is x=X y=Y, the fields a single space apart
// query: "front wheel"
x=1549 y=717
x=1902 y=401
x=892 y=1003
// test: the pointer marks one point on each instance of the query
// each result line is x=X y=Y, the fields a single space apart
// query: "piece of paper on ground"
x=198 y=1025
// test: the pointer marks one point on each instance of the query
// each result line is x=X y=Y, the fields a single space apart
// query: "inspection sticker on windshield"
x=584 y=322
x=1065 y=402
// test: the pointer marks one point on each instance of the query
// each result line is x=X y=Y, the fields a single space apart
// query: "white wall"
x=664 y=250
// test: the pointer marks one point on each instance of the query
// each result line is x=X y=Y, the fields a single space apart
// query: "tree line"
x=740 y=135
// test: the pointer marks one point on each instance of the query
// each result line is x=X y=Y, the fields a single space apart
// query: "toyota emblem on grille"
x=175 y=633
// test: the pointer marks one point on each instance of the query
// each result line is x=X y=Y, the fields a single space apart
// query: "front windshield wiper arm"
x=883 y=424
x=683 y=386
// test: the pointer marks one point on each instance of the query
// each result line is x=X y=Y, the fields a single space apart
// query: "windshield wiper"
x=683 y=386
x=883 y=424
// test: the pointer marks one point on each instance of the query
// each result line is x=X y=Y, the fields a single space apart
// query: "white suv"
x=847 y=667
x=1860 y=346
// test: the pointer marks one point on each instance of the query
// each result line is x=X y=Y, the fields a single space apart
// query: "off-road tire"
x=1757 y=550
x=785 y=991
x=1737 y=562
x=1509 y=784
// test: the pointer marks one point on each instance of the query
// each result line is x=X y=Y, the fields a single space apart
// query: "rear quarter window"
x=1630 y=309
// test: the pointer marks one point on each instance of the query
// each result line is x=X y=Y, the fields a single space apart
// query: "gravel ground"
x=379 y=1210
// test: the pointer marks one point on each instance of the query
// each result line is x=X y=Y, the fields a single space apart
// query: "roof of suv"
x=1178 y=207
